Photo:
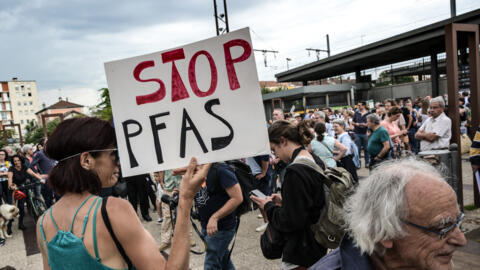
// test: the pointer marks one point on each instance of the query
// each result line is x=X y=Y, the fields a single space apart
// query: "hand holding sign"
x=201 y=100
x=193 y=179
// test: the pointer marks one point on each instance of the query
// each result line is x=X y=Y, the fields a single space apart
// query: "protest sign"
x=200 y=100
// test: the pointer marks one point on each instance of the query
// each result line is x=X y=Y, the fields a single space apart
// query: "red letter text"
x=153 y=97
x=178 y=88
x=193 y=79
x=247 y=51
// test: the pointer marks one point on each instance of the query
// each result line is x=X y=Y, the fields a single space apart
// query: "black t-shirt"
x=213 y=196
x=19 y=177
x=359 y=118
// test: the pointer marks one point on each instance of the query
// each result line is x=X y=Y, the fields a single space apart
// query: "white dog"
x=7 y=212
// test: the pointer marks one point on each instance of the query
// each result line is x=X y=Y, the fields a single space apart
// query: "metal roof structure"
x=315 y=90
x=417 y=43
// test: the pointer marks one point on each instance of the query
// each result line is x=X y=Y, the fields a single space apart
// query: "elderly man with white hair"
x=277 y=115
x=319 y=117
x=436 y=131
x=403 y=216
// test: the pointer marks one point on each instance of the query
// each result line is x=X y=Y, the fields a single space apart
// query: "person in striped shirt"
x=475 y=151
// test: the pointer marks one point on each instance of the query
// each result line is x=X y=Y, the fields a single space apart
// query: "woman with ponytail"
x=302 y=197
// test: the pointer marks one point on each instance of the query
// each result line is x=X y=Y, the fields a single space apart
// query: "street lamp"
x=288 y=60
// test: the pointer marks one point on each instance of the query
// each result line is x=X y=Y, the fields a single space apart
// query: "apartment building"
x=18 y=102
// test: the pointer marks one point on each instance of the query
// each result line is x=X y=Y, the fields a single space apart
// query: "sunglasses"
x=442 y=232
x=113 y=155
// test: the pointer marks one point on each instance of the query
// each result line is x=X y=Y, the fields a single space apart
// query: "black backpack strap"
x=106 y=220
x=234 y=237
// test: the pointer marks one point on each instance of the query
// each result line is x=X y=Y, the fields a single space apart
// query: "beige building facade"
x=19 y=102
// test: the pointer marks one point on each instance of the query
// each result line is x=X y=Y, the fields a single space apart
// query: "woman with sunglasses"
x=75 y=233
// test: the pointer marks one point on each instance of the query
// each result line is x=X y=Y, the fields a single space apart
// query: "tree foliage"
x=35 y=134
x=103 y=110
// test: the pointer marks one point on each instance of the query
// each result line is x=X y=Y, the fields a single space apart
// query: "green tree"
x=10 y=134
x=35 y=135
x=103 y=110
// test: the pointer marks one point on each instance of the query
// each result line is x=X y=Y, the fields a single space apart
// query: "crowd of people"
x=391 y=129
x=23 y=166
x=403 y=214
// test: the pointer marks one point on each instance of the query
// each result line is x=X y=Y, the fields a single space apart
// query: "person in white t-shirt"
x=158 y=177
x=436 y=131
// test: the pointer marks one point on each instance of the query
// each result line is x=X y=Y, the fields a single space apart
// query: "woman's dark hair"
x=320 y=130
x=71 y=137
x=5 y=152
x=299 y=134
x=394 y=111
x=22 y=161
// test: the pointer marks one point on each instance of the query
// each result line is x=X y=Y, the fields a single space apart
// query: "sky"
x=63 y=44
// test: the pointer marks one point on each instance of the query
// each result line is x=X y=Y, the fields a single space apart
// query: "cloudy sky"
x=62 y=44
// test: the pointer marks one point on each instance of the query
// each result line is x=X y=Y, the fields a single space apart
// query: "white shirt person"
x=436 y=131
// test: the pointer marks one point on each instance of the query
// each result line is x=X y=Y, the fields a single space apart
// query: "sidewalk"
x=247 y=253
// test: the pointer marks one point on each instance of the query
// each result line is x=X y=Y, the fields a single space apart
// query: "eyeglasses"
x=440 y=232
x=113 y=154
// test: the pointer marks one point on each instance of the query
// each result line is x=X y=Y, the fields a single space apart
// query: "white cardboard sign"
x=200 y=100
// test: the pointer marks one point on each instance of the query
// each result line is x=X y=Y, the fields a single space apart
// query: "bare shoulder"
x=117 y=207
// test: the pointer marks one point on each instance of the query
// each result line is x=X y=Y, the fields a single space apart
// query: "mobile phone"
x=258 y=193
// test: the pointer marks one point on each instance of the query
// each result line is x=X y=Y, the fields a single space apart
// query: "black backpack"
x=245 y=179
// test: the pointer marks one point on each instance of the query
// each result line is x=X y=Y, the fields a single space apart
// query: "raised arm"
x=191 y=183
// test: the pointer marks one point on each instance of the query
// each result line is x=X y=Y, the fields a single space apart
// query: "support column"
x=451 y=46
x=434 y=74
x=357 y=75
x=474 y=64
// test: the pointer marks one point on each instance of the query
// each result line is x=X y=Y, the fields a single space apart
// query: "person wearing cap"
x=298 y=118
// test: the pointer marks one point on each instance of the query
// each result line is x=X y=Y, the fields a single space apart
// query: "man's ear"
x=386 y=243
x=86 y=161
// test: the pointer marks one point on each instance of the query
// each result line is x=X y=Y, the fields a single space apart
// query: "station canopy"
x=421 y=42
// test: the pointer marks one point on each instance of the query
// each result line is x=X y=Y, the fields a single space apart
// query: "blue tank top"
x=66 y=250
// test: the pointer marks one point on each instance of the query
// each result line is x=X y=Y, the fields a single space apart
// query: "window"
x=19 y=103
x=28 y=86
x=4 y=116
x=31 y=102
x=32 y=111
x=25 y=103
x=26 y=111
x=28 y=121
x=23 y=94
x=20 y=112
x=21 y=122
x=29 y=94
x=17 y=88
x=22 y=86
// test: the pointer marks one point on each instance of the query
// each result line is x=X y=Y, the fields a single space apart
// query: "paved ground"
x=21 y=253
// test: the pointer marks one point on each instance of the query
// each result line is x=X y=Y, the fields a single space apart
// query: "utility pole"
x=264 y=52
x=317 y=51
x=288 y=60
x=223 y=17
x=453 y=8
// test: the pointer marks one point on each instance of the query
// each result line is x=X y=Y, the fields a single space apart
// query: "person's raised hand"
x=193 y=178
